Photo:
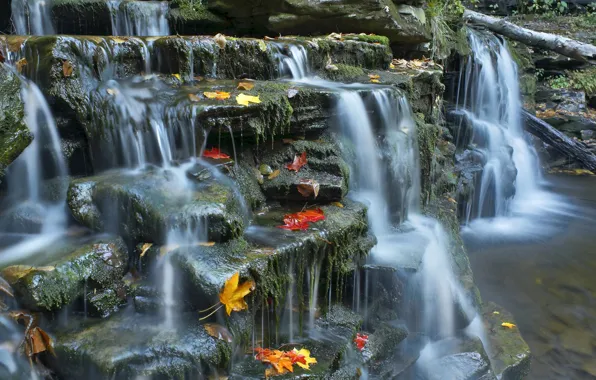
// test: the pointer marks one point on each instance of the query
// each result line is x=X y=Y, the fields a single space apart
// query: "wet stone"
x=127 y=345
x=144 y=206
x=510 y=355
x=67 y=270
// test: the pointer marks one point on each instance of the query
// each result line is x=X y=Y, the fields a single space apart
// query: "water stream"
x=139 y=18
x=32 y=17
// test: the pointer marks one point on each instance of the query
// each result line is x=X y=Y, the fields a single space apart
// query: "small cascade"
x=295 y=62
x=32 y=17
x=139 y=18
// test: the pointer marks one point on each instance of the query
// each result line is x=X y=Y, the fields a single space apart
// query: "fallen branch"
x=547 y=41
x=559 y=140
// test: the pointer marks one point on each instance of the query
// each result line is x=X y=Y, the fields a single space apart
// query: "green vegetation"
x=582 y=80
x=445 y=18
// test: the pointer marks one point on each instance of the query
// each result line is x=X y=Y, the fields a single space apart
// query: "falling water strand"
x=139 y=18
x=32 y=17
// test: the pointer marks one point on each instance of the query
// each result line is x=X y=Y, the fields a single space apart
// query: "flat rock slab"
x=509 y=355
x=63 y=273
x=128 y=345
x=144 y=206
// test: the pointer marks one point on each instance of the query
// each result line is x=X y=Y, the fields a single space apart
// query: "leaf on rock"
x=218 y=332
x=214 y=153
x=375 y=81
x=219 y=95
x=360 y=340
x=292 y=223
x=337 y=204
x=244 y=100
x=262 y=45
x=274 y=174
x=313 y=215
x=508 y=325
x=374 y=76
x=194 y=98
x=308 y=187
x=283 y=361
x=177 y=76
x=232 y=295
x=67 y=68
x=245 y=86
x=303 y=358
x=144 y=248
x=21 y=63
x=38 y=341
x=220 y=39
x=299 y=161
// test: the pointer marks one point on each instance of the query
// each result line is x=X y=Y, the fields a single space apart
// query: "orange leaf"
x=67 y=68
x=299 y=161
x=214 y=153
x=374 y=76
x=292 y=223
x=246 y=86
x=232 y=295
x=308 y=187
x=219 y=95
x=315 y=215
x=38 y=341
x=360 y=340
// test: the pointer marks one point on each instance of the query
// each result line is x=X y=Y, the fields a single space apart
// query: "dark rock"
x=144 y=206
x=384 y=341
x=26 y=217
x=65 y=271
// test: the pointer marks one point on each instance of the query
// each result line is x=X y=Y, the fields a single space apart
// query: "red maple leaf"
x=299 y=161
x=315 y=215
x=360 y=340
x=214 y=153
x=294 y=224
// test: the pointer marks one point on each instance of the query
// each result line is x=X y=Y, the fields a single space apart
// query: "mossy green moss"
x=584 y=80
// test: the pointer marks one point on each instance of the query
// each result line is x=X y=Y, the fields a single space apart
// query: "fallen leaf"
x=391 y=66
x=262 y=45
x=232 y=295
x=244 y=100
x=274 y=174
x=214 y=153
x=177 y=76
x=508 y=325
x=218 y=332
x=144 y=248
x=337 y=204
x=292 y=92
x=294 y=224
x=360 y=340
x=304 y=360
x=21 y=63
x=311 y=215
x=496 y=313
x=219 y=95
x=38 y=341
x=375 y=81
x=206 y=243
x=245 y=86
x=299 y=161
x=194 y=98
x=220 y=39
x=300 y=221
x=67 y=68
x=308 y=187
x=374 y=76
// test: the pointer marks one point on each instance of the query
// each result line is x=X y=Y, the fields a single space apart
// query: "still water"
x=549 y=283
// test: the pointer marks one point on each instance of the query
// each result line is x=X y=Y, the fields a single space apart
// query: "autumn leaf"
x=245 y=86
x=206 y=243
x=274 y=174
x=313 y=215
x=508 y=325
x=232 y=295
x=337 y=204
x=38 y=341
x=218 y=332
x=360 y=340
x=375 y=81
x=219 y=95
x=374 y=76
x=283 y=361
x=292 y=223
x=21 y=63
x=391 y=66
x=244 y=100
x=194 y=98
x=304 y=360
x=214 y=153
x=177 y=76
x=144 y=248
x=220 y=39
x=308 y=187
x=67 y=68
x=299 y=161
x=262 y=45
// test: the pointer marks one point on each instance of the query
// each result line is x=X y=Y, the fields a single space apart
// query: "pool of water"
x=549 y=283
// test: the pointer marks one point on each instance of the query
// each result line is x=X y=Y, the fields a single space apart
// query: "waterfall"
x=139 y=18
x=295 y=62
x=32 y=17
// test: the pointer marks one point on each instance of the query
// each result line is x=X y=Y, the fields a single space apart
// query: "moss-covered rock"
x=509 y=354
x=67 y=271
x=14 y=134
x=129 y=345
x=145 y=206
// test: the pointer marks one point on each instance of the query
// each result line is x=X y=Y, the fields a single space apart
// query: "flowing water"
x=32 y=17
x=139 y=18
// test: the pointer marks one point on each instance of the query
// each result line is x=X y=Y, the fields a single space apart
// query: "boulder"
x=14 y=134
x=68 y=271
x=145 y=206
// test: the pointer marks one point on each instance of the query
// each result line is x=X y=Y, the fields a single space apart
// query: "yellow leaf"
x=375 y=81
x=337 y=204
x=274 y=174
x=246 y=99
x=391 y=66
x=245 y=86
x=144 y=248
x=374 y=76
x=194 y=98
x=20 y=64
x=496 y=313
x=508 y=325
x=219 y=95
x=207 y=244
x=232 y=295
x=218 y=332
x=177 y=76
x=451 y=200
x=67 y=68
x=262 y=45
x=306 y=353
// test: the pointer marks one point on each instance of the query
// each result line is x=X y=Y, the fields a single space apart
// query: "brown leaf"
x=67 y=68
x=144 y=248
x=194 y=98
x=219 y=95
x=299 y=161
x=274 y=174
x=218 y=332
x=374 y=76
x=220 y=39
x=21 y=63
x=308 y=187
x=38 y=341
x=245 y=86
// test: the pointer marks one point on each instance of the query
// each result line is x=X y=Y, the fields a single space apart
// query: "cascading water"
x=139 y=18
x=32 y=17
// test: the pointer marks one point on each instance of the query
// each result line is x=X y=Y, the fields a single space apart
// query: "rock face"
x=14 y=134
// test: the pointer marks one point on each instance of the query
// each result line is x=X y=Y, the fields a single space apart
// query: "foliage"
x=583 y=80
x=548 y=7
x=283 y=361
x=214 y=153
x=300 y=221
x=232 y=296
x=559 y=82
x=299 y=161
x=360 y=340
x=444 y=17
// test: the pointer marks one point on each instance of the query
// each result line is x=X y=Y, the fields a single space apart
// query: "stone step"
x=400 y=21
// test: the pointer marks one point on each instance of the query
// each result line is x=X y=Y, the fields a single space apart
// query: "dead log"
x=558 y=140
x=547 y=41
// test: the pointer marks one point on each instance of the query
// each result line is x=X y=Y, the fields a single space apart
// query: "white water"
x=32 y=17
x=295 y=63
x=490 y=95
x=139 y=18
